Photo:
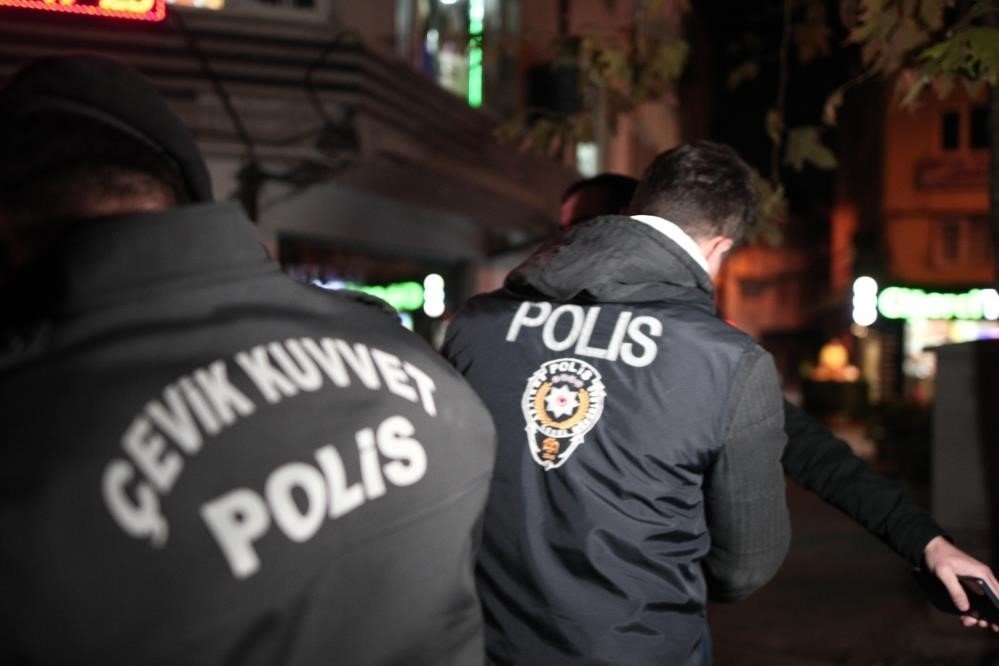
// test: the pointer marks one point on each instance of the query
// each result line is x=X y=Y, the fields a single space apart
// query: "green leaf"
x=747 y=71
x=870 y=52
x=983 y=48
x=980 y=9
x=875 y=25
x=935 y=51
x=905 y=38
x=804 y=146
x=771 y=212
x=914 y=91
x=812 y=41
x=811 y=35
x=774 y=124
x=931 y=13
x=831 y=107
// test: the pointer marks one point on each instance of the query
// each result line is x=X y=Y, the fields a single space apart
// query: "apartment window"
x=979 y=127
x=950 y=130
x=950 y=242
x=962 y=242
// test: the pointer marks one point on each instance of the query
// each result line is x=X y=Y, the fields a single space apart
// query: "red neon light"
x=136 y=10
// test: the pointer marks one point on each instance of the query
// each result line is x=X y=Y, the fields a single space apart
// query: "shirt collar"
x=677 y=235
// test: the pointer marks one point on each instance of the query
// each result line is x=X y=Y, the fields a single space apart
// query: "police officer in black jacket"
x=639 y=435
x=204 y=462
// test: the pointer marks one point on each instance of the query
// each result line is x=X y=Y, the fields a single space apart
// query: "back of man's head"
x=704 y=188
x=87 y=137
x=603 y=194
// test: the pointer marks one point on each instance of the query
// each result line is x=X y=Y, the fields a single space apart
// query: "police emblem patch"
x=563 y=400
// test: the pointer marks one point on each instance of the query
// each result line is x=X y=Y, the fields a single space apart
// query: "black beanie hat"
x=113 y=94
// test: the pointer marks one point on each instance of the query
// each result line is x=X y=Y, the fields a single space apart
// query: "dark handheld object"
x=984 y=602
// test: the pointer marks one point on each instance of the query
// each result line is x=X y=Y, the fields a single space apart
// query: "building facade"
x=356 y=166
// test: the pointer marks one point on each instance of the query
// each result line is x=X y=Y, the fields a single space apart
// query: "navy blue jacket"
x=639 y=452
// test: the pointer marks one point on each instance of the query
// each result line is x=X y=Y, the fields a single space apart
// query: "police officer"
x=640 y=436
x=205 y=462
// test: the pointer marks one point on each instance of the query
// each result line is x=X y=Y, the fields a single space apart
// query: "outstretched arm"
x=821 y=462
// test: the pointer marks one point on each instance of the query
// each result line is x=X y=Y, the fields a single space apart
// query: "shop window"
x=979 y=127
x=950 y=130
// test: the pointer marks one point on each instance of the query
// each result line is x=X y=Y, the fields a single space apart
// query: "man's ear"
x=720 y=245
x=714 y=250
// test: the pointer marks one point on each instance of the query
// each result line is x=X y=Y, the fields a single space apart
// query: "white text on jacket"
x=172 y=428
x=571 y=327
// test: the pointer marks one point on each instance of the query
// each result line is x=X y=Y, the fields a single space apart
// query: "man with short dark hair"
x=205 y=462
x=640 y=436
x=818 y=460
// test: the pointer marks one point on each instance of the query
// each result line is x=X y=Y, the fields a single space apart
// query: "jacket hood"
x=613 y=259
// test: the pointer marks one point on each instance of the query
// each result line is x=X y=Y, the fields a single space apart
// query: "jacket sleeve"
x=819 y=461
x=745 y=499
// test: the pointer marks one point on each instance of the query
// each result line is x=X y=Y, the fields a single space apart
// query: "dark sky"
x=729 y=34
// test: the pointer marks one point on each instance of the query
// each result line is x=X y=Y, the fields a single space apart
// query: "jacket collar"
x=115 y=256
x=613 y=259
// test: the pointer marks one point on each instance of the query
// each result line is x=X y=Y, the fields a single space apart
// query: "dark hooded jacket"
x=639 y=452
x=205 y=462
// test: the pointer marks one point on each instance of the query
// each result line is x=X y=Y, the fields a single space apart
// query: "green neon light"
x=476 y=26
x=403 y=296
x=908 y=304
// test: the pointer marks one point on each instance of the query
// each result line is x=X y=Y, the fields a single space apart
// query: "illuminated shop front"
x=897 y=328
x=423 y=291
x=136 y=10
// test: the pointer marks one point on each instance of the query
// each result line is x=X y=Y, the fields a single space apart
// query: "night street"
x=841 y=598
x=499 y=332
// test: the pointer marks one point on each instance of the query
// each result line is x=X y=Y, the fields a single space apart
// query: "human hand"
x=947 y=562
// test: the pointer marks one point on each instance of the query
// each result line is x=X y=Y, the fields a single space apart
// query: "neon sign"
x=136 y=10
x=904 y=303
x=476 y=21
x=403 y=296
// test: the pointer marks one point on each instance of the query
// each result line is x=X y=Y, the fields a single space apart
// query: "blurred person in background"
x=818 y=460
x=205 y=462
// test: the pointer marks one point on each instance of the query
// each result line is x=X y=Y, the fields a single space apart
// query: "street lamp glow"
x=865 y=285
x=433 y=295
x=865 y=316
x=865 y=301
